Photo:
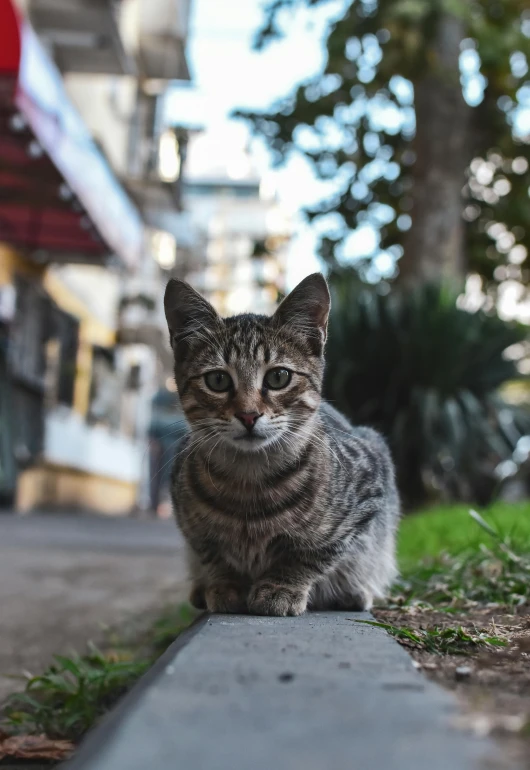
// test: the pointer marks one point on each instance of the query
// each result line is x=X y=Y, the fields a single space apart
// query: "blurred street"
x=65 y=578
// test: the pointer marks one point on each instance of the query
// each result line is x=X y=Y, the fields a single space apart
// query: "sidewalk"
x=318 y=692
x=64 y=578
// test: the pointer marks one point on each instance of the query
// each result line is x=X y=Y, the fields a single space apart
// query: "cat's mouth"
x=250 y=437
x=251 y=441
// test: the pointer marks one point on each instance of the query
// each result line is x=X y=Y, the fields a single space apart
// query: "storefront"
x=60 y=204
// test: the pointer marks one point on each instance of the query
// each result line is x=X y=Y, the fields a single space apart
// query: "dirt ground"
x=64 y=579
x=493 y=683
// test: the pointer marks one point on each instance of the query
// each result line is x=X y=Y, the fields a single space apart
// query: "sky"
x=227 y=74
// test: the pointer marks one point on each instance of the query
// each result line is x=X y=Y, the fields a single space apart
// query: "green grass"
x=75 y=691
x=441 y=641
x=168 y=626
x=449 y=558
x=450 y=530
x=65 y=700
x=454 y=559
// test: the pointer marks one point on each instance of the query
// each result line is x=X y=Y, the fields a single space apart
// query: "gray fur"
x=300 y=512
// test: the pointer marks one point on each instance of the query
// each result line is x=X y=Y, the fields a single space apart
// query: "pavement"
x=65 y=578
x=319 y=692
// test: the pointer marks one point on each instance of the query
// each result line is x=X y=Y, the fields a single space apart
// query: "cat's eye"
x=277 y=378
x=218 y=381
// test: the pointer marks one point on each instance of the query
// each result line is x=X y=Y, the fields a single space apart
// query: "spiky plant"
x=427 y=374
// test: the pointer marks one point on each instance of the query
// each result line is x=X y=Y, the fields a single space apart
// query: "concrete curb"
x=320 y=692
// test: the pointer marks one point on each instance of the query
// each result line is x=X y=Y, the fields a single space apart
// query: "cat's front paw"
x=226 y=598
x=271 y=599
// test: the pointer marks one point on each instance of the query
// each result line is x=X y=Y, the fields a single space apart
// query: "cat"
x=283 y=504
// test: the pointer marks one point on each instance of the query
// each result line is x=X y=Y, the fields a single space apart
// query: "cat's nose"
x=248 y=419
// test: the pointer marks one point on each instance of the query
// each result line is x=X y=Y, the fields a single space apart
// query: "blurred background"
x=242 y=145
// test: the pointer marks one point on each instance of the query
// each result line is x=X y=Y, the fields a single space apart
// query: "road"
x=65 y=578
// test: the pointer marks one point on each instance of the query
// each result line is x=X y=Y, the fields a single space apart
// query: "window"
x=67 y=333
x=105 y=390
x=31 y=329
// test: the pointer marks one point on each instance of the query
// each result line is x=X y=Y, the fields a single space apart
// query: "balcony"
x=82 y=35
x=161 y=39
x=154 y=182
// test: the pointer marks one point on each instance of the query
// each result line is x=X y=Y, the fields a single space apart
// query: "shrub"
x=427 y=374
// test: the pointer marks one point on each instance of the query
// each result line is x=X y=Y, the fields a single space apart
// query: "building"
x=83 y=162
x=239 y=227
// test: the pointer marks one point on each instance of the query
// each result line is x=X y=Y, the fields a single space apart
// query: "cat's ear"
x=306 y=307
x=186 y=311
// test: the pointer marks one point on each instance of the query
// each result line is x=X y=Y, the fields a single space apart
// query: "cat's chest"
x=246 y=548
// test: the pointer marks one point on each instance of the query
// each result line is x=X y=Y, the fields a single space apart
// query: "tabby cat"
x=283 y=504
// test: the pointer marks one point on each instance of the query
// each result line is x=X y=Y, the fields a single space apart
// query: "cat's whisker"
x=296 y=501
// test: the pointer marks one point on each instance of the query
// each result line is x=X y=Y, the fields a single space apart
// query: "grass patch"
x=71 y=694
x=168 y=626
x=441 y=641
x=74 y=692
x=486 y=577
x=450 y=558
x=449 y=530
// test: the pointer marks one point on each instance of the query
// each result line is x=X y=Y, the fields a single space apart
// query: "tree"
x=416 y=113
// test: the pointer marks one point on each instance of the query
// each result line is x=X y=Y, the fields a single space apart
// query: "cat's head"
x=249 y=381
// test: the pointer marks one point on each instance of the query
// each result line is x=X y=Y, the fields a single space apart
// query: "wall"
x=91 y=332
x=92 y=449
x=11 y=262
x=84 y=466
x=106 y=104
x=68 y=488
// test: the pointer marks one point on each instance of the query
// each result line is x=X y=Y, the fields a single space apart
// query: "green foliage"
x=441 y=641
x=450 y=530
x=71 y=694
x=462 y=561
x=170 y=625
x=489 y=575
x=426 y=374
x=379 y=51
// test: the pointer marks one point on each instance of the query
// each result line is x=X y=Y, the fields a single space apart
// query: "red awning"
x=58 y=196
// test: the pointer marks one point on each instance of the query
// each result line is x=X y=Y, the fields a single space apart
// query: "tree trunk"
x=434 y=246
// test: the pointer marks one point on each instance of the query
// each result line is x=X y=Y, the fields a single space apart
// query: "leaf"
x=34 y=747
x=55 y=682
x=404 y=633
x=445 y=641
x=68 y=664
x=23 y=698
x=483 y=523
x=494 y=641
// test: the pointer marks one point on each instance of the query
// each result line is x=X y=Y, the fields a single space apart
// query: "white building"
x=240 y=228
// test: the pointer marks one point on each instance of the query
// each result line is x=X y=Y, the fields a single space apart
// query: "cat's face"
x=249 y=381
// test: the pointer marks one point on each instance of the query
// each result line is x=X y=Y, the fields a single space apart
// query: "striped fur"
x=302 y=511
